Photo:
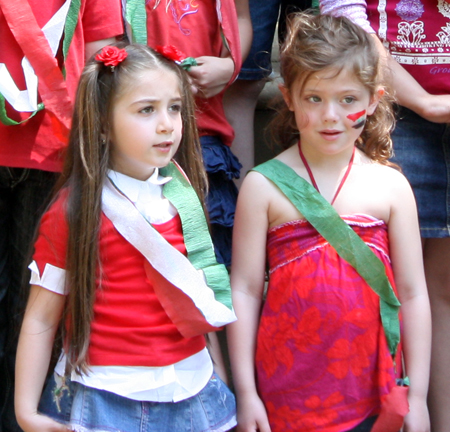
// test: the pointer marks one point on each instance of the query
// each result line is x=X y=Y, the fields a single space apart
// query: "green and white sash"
x=194 y=290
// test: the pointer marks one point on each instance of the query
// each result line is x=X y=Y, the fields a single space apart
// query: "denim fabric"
x=23 y=198
x=422 y=149
x=264 y=16
x=56 y=400
x=213 y=409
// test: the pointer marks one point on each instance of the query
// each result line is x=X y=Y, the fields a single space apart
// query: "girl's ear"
x=286 y=96
x=374 y=101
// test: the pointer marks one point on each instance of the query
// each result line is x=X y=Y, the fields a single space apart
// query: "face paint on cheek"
x=359 y=118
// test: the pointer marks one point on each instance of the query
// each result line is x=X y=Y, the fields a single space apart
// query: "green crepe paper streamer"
x=10 y=122
x=69 y=30
x=345 y=241
x=196 y=234
x=188 y=62
x=136 y=16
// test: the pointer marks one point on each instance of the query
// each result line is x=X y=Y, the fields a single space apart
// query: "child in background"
x=110 y=263
x=323 y=347
x=218 y=35
x=241 y=98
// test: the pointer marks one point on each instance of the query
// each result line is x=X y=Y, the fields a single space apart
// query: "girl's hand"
x=251 y=415
x=417 y=420
x=40 y=423
x=211 y=75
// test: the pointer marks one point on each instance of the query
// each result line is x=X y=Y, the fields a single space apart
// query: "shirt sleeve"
x=102 y=19
x=49 y=258
x=355 y=10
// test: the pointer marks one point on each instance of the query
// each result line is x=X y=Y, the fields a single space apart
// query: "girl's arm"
x=215 y=352
x=42 y=316
x=406 y=255
x=245 y=26
x=91 y=48
x=213 y=74
x=410 y=94
x=247 y=283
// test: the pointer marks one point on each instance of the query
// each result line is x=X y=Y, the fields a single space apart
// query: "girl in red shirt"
x=124 y=259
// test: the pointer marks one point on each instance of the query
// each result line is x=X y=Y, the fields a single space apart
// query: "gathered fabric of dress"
x=322 y=358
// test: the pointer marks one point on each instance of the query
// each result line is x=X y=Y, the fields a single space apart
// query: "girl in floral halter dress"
x=335 y=224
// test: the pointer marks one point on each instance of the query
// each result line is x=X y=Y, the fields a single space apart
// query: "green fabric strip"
x=136 y=16
x=69 y=28
x=346 y=242
x=10 y=122
x=196 y=234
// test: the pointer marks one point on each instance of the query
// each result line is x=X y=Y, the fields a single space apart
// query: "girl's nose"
x=165 y=123
x=330 y=113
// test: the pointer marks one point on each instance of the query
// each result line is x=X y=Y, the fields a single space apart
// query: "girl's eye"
x=314 y=99
x=348 y=99
x=147 y=110
x=175 y=108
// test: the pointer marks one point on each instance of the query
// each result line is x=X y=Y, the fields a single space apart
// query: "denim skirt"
x=422 y=149
x=211 y=410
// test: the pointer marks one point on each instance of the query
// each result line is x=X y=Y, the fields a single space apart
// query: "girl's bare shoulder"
x=290 y=157
x=260 y=193
x=256 y=181
x=386 y=176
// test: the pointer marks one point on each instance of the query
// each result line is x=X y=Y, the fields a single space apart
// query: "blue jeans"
x=265 y=15
x=213 y=409
x=23 y=198
x=422 y=149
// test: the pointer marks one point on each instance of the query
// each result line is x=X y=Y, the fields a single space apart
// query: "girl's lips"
x=164 y=146
x=330 y=134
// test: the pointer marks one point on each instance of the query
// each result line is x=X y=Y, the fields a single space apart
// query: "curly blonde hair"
x=318 y=42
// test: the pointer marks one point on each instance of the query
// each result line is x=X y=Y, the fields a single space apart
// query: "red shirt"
x=195 y=30
x=416 y=32
x=130 y=327
x=33 y=144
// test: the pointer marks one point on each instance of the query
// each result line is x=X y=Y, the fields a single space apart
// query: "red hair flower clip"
x=111 y=56
x=179 y=57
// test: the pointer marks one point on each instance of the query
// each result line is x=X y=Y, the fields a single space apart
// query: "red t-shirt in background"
x=33 y=143
x=195 y=30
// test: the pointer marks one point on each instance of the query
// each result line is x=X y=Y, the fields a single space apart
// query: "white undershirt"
x=157 y=384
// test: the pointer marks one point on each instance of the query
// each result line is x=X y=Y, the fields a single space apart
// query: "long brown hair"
x=87 y=161
x=318 y=42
